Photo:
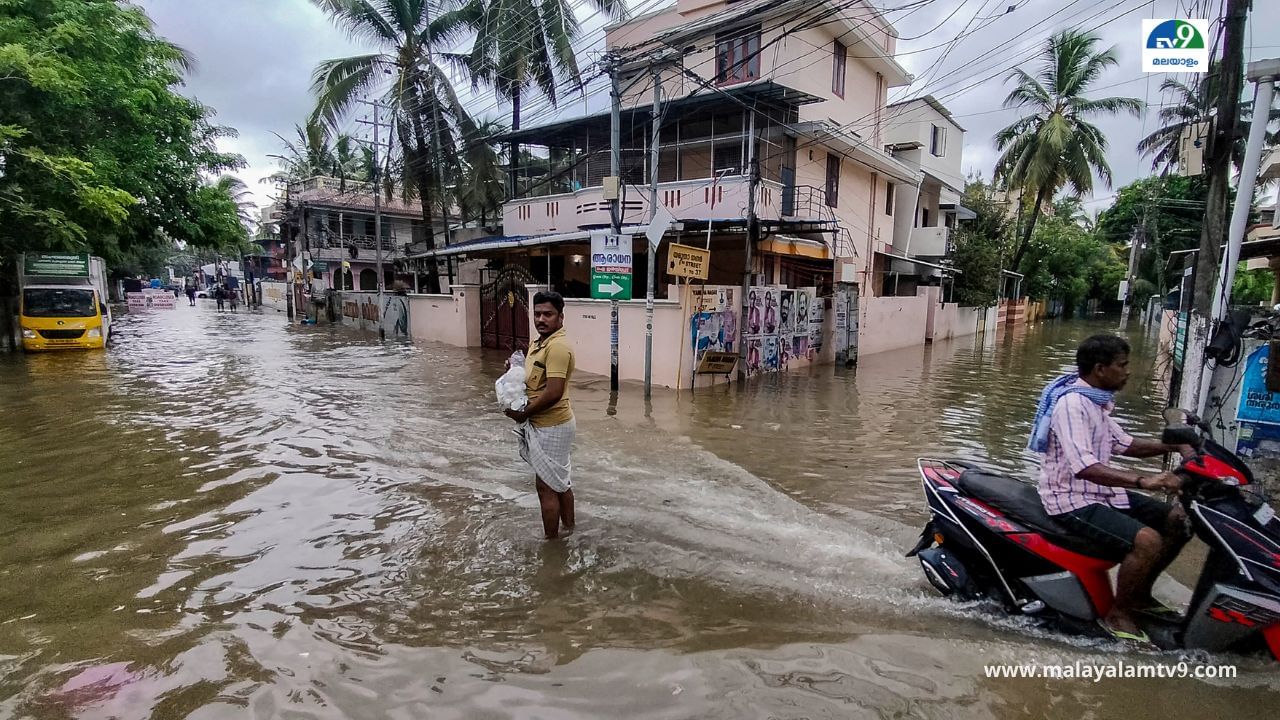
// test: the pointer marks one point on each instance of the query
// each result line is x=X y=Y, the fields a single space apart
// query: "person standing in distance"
x=546 y=425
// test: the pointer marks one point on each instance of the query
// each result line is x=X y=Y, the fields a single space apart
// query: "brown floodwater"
x=224 y=516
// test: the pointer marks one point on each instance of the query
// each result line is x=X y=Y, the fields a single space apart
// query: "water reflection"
x=228 y=516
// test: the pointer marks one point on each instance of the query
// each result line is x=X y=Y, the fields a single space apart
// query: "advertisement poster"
x=755 y=311
x=804 y=298
x=771 y=360
x=816 y=317
x=1257 y=405
x=770 y=325
x=754 y=352
x=714 y=331
x=786 y=313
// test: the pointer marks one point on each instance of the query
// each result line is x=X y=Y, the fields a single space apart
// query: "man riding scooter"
x=1077 y=436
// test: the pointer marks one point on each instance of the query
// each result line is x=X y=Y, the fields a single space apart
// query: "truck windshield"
x=58 y=302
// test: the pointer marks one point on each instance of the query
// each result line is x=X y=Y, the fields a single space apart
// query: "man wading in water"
x=546 y=425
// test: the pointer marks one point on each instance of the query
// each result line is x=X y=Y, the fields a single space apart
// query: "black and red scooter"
x=989 y=537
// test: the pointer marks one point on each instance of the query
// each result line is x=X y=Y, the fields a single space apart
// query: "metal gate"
x=504 y=308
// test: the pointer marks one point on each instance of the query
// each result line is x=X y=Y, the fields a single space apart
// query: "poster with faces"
x=786 y=313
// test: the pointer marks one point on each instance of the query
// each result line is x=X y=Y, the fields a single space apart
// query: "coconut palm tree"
x=425 y=110
x=235 y=189
x=1056 y=146
x=347 y=162
x=483 y=189
x=307 y=156
x=523 y=44
x=1193 y=104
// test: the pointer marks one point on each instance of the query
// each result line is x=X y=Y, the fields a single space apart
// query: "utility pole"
x=289 y=233
x=615 y=208
x=377 y=201
x=435 y=141
x=1136 y=242
x=653 y=249
x=753 y=237
x=1218 y=167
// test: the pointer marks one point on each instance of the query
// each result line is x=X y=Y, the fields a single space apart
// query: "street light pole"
x=615 y=210
x=653 y=248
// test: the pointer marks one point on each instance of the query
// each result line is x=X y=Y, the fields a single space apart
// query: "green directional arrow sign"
x=611 y=286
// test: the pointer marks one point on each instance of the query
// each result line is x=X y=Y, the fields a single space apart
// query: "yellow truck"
x=63 y=302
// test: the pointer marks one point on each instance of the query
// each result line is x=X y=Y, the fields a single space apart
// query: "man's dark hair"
x=1099 y=350
x=550 y=296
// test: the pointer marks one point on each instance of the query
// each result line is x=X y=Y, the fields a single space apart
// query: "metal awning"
x=962 y=212
x=859 y=150
x=791 y=246
x=764 y=92
x=521 y=241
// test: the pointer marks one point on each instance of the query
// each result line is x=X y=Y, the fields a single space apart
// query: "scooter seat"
x=1021 y=502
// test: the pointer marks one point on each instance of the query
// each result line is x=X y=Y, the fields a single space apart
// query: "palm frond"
x=360 y=19
x=338 y=83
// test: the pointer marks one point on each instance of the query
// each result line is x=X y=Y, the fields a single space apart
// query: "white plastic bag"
x=510 y=387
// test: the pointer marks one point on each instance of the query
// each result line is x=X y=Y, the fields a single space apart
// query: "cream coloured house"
x=848 y=200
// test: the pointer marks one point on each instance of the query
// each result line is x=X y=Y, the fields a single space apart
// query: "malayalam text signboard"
x=55 y=265
x=611 y=263
x=688 y=262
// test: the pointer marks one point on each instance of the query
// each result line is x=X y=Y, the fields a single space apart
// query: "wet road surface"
x=224 y=516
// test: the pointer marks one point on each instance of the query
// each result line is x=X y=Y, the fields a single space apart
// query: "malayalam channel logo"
x=1175 y=46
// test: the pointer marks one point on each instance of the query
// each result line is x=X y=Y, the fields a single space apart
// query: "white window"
x=938 y=141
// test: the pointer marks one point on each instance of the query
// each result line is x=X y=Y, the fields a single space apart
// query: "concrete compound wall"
x=275 y=295
x=949 y=320
x=452 y=318
x=587 y=323
x=359 y=310
x=891 y=323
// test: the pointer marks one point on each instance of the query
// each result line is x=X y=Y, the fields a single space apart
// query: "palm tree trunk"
x=416 y=156
x=1025 y=242
x=514 y=165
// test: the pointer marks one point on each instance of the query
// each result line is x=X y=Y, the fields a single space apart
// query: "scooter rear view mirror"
x=1180 y=435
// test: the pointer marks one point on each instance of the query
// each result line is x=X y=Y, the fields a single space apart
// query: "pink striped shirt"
x=1081 y=433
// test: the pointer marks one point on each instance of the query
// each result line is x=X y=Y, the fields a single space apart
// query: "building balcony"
x=929 y=242
x=687 y=200
x=338 y=247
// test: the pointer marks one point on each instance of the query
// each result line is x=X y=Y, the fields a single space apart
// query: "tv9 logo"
x=1175 y=46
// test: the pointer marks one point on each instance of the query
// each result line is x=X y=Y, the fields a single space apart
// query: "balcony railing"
x=364 y=242
x=695 y=200
x=929 y=242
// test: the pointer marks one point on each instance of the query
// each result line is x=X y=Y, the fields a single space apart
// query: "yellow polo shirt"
x=549 y=357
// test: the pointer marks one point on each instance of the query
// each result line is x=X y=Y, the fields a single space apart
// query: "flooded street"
x=225 y=516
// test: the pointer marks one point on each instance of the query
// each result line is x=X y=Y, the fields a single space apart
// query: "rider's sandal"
x=1139 y=637
x=1160 y=610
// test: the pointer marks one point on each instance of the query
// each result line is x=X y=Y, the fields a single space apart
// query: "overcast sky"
x=255 y=59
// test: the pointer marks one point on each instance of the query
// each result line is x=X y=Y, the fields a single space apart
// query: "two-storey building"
x=337 y=239
x=777 y=151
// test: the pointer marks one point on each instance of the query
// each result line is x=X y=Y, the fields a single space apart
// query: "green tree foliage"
x=1065 y=261
x=1252 y=287
x=979 y=246
x=98 y=152
x=529 y=43
x=1054 y=145
x=482 y=190
x=425 y=109
x=1172 y=210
